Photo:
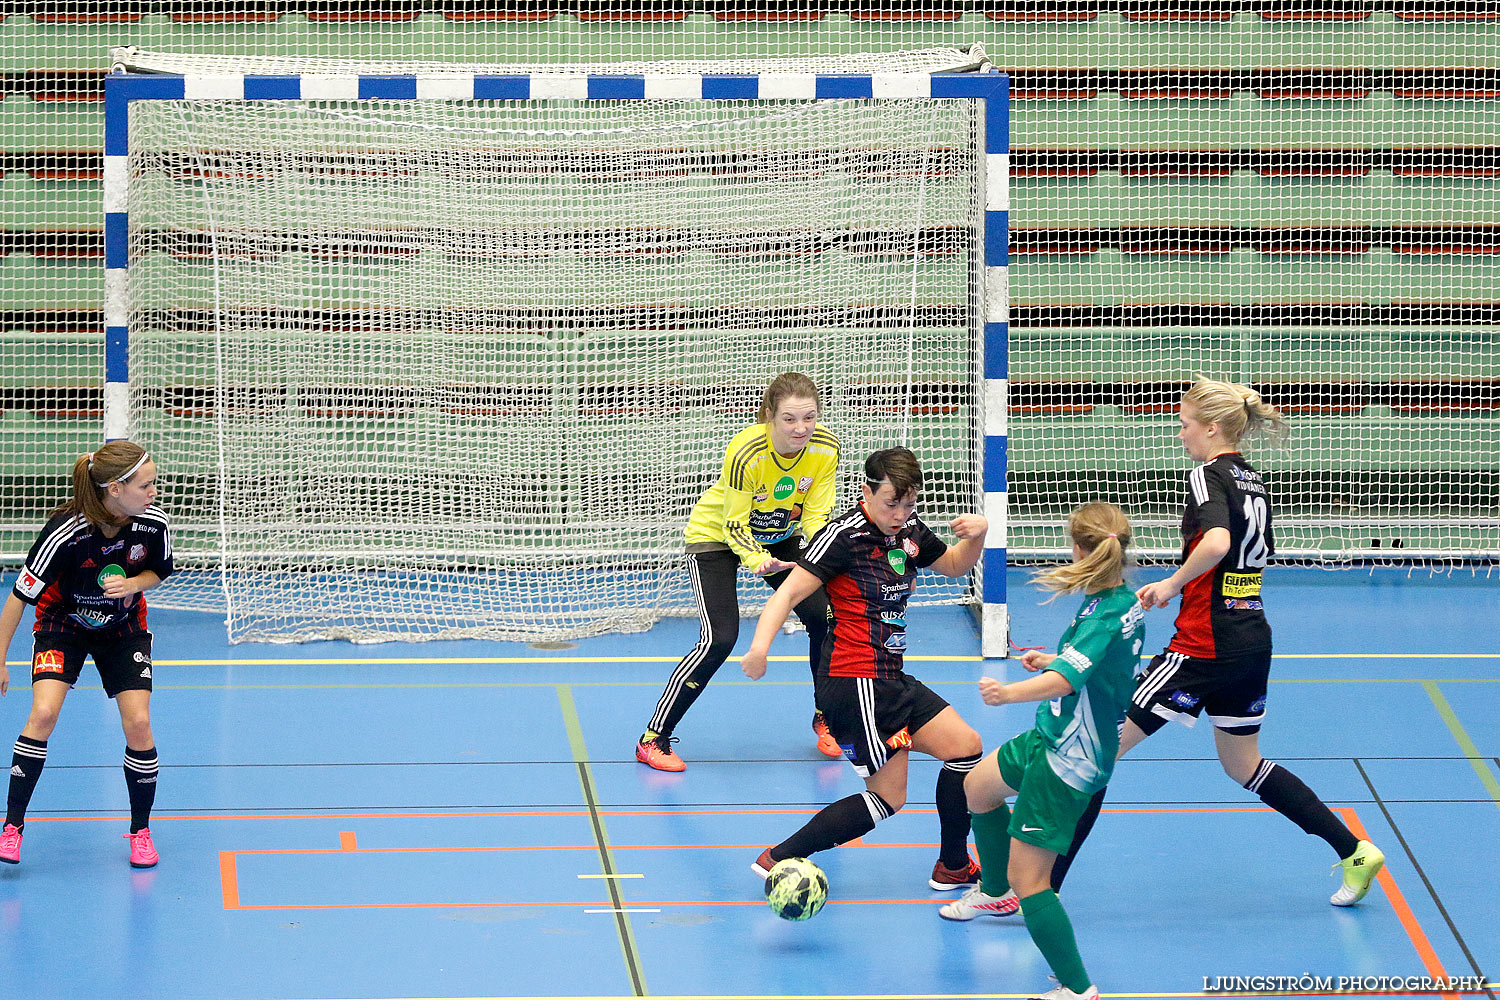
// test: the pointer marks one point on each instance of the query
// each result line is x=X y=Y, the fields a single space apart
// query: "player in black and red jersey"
x=1219 y=660
x=85 y=575
x=867 y=561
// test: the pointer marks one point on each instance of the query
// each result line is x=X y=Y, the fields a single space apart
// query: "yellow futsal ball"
x=796 y=889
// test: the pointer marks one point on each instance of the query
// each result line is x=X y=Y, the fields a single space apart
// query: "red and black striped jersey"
x=868 y=576
x=65 y=569
x=1222 y=611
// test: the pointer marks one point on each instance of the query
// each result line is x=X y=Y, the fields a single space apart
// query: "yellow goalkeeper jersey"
x=762 y=498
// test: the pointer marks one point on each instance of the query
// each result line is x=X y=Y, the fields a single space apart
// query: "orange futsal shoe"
x=827 y=745
x=656 y=751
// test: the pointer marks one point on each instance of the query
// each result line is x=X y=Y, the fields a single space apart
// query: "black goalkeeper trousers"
x=714 y=588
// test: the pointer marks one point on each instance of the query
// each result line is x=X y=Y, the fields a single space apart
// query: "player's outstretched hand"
x=753 y=665
x=1035 y=659
x=967 y=526
x=1158 y=594
x=774 y=565
x=992 y=691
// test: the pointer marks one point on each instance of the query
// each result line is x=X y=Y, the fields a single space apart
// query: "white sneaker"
x=1063 y=993
x=975 y=902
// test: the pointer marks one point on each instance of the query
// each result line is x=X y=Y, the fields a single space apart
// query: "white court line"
x=625 y=909
x=611 y=876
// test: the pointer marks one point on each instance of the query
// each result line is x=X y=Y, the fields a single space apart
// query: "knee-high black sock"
x=839 y=823
x=953 y=811
x=25 y=768
x=1080 y=834
x=1284 y=791
x=140 y=780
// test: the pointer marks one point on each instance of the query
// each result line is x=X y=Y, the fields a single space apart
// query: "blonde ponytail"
x=1239 y=411
x=1102 y=531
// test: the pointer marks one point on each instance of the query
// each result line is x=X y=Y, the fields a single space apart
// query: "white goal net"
x=433 y=369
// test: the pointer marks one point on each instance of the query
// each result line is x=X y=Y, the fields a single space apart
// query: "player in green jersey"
x=1054 y=769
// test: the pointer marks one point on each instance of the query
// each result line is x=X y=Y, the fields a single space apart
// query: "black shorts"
x=123 y=661
x=871 y=718
x=1175 y=687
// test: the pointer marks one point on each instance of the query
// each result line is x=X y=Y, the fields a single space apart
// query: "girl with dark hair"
x=85 y=575
x=867 y=560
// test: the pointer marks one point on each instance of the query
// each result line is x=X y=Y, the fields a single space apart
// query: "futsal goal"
x=430 y=351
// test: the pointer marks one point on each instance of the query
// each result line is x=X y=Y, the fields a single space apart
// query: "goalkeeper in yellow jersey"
x=775 y=492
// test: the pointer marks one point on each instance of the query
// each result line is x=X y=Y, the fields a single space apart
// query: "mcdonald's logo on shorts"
x=47 y=661
x=900 y=740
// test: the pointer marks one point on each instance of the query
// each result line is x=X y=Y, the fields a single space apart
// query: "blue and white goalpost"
x=505 y=319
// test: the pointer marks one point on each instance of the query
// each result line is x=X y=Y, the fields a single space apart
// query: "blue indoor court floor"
x=467 y=820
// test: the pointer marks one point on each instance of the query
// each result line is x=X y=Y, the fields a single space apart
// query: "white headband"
x=132 y=470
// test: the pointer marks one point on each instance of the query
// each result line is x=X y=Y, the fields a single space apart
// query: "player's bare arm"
x=798 y=586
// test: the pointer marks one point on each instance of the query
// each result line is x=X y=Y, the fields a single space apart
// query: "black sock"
x=953 y=811
x=25 y=768
x=140 y=781
x=1080 y=834
x=1284 y=791
x=839 y=823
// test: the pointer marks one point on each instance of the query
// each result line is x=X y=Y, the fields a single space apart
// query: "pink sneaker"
x=142 y=851
x=10 y=844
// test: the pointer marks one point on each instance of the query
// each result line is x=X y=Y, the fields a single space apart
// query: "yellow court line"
x=1461 y=736
x=479 y=685
x=481 y=660
x=928 y=996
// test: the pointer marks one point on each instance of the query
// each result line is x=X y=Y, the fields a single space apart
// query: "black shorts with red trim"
x=873 y=717
x=1176 y=687
x=123 y=661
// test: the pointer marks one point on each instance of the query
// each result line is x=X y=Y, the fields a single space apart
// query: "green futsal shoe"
x=1360 y=869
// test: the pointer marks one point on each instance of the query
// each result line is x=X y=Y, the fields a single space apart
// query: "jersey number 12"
x=1253 y=548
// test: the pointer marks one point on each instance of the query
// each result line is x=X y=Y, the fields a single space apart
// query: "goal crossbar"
x=123 y=90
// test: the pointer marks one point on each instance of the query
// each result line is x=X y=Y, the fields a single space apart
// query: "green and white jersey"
x=1098 y=654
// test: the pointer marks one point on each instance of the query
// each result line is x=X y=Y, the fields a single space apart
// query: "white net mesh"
x=933 y=60
x=461 y=369
x=1153 y=126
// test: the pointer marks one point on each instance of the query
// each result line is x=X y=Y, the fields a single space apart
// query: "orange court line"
x=511 y=814
x=530 y=847
x=347 y=839
x=229 y=875
x=229 y=880
x=1408 y=919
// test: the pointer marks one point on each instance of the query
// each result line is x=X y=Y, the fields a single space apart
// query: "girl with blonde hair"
x=1054 y=770
x=1219 y=659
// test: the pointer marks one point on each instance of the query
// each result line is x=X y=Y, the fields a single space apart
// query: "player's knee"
x=41 y=721
x=1026 y=880
x=968 y=744
x=137 y=725
x=981 y=792
x=1240 y=770
x=721 y=646
x=894 y=799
